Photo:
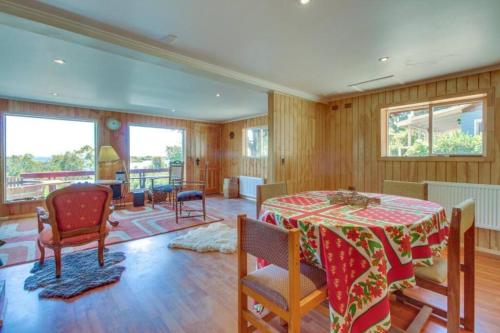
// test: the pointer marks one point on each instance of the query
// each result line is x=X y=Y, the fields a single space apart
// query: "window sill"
x=437 y=159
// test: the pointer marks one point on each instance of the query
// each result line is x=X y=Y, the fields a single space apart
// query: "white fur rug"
x=216 y=237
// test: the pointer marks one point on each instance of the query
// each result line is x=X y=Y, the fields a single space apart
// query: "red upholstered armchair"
x=76 y=215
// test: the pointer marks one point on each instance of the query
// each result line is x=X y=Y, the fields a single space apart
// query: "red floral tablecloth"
x=366 y=252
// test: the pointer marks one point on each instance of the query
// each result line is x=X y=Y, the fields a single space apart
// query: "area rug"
x=135 y=223
x=215 y=237
x=80 y=272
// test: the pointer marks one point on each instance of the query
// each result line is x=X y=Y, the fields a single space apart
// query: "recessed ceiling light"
x=384 y=59
x=59 y=61
x=169 y=39
x=54 y=94
x=304 y=2
x=218 y=95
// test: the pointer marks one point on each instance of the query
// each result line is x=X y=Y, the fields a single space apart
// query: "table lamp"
x=107 y=154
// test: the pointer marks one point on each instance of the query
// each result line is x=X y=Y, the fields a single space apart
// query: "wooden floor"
x=164 y=290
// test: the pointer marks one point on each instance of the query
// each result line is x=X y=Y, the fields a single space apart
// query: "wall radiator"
x=487 y=200
x=248 y=186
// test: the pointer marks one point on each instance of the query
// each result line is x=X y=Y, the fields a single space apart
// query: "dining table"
x=367 y=252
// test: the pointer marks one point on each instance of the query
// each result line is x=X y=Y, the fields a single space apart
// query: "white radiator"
x=248 y=186
x=487 y=200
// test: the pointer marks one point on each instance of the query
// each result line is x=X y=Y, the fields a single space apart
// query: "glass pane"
x=408 y=133
x=46 y=154
x=151 y=151
x=457 y=129
x=253 y=142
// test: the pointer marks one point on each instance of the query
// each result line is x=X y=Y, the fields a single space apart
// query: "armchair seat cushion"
x=437 y=272
x=46 y=238
x=272 y=282
x=189 y=195
x=163 y=188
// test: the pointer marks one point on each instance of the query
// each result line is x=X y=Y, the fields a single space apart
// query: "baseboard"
x=489 y=252
x=248 y=198
x=16 y=217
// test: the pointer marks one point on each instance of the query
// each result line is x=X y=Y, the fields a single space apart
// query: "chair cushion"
x=189 y=195
x=164 y=188
x=46 y=238
x=272 y=282
x=438 y=272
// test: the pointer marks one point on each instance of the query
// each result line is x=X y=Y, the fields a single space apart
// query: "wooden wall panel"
x=118 y=139
x=234 y=164
x=353 y=144
x=297 y=150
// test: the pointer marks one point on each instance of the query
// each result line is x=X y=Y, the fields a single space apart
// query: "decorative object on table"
x=160 y=193
x=186 y=191
x=268 y=191
x=352 y=198
x=81 y=272
x=448 y=270
x=231 y=188
x=120 y=176
x=3 y=302
x=77 y=215
x=383 y=242
x=216 y=237
x=138 y=197
x=286 y=286
x=113 y=124
x=405 y=189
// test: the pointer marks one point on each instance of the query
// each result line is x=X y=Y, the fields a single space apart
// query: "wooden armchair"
x=287 y=288
x=76 y=215
x=185 y=191
x=405 y=189
x=269 y=191
x=448 y=270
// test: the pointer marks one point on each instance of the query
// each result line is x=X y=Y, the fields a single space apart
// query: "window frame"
x=484 y=95
x=3 y=153
x=182 y=129
x=245 y=142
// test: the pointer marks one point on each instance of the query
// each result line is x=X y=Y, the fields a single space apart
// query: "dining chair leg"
x=176 y=213
x=242 y=306
x=42 y=252
x=100 y=251
x=204 y=209
x=469 y=280
x=294 y=324
x=57 y=258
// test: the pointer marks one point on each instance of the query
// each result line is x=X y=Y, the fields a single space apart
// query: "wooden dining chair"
x=434 y=277
x=405 y=189
x=286 y=287
x=268 y=191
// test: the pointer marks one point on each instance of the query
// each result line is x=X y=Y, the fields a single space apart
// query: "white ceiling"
x=101 y=79
x=318 y=50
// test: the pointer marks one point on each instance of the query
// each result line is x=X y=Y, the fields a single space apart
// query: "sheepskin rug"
x=216 y=237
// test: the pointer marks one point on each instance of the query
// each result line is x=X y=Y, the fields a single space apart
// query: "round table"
x=366 y=252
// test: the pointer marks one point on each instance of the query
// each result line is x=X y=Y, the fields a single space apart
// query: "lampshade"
x=108 y=154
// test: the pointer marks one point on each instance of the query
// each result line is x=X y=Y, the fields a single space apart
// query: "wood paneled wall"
x=352 y=142
x=234 y=164
x=118 y=139
x=297 y=142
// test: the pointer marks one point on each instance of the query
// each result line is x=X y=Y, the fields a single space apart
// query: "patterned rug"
x=80 y=272
x=20 y=235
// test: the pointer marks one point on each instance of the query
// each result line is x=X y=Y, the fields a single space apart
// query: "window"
x=151 y=151
x=44 y=154
x=255 y=142
x=441 y=128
